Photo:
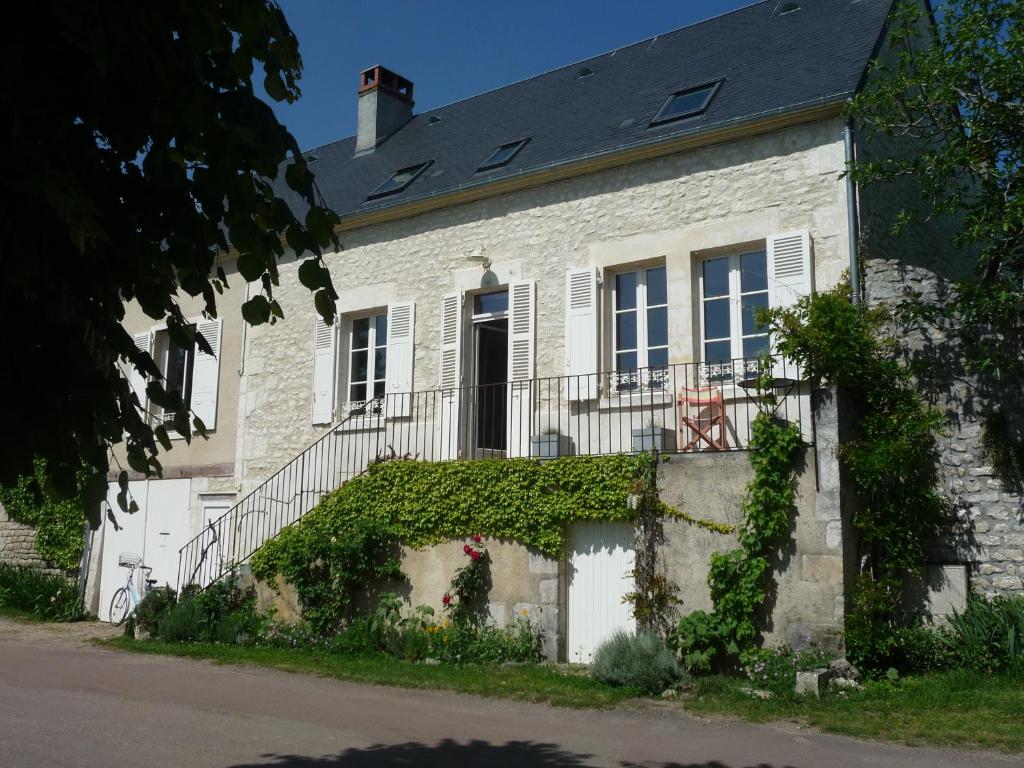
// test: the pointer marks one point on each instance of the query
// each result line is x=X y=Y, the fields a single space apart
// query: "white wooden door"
x=600 y=567
x=121 y=533
x=168 y=527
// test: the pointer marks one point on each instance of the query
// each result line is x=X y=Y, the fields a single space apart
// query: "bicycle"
x=127 y=598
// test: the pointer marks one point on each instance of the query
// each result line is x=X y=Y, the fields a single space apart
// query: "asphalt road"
x=63 y=703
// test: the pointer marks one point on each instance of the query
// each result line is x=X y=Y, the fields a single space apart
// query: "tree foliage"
x=953 y=91
x=136 y=153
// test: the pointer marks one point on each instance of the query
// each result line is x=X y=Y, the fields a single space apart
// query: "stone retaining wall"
x=992 y=544
x=18 y=544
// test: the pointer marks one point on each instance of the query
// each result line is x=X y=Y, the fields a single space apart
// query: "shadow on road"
x=449 y=753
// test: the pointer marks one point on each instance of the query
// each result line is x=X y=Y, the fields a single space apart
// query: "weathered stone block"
x=824 y=569
x=811 y=683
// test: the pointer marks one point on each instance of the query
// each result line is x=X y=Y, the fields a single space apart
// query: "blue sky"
x=452 y=49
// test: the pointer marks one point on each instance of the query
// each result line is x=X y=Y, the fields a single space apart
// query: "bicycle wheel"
x=119 y=607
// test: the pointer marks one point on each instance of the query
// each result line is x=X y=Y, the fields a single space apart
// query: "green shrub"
x=46 y=595
x=477 y=643
x=635 y=661
x=774 y=669
x=184 y=622
x=229 y=612
x=151 y=610
x=989 y=634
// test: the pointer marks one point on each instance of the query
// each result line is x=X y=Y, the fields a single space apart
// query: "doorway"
x=490 y=374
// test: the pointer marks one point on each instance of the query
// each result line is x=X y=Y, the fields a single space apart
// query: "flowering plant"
x=466 y=598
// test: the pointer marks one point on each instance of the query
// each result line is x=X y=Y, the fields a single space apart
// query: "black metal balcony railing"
x=683 y=408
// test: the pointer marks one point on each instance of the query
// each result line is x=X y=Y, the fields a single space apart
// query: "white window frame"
x=162 y=340
x=735 y=297
x=372 y=346
x=641 y=309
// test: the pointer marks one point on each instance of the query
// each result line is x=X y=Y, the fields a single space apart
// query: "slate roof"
x=770 y=63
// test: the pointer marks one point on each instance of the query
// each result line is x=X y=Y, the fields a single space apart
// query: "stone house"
x=568 y=264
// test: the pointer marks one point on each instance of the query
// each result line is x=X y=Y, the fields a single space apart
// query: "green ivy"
x=59 y=523
x=740 y=578
x=891 y=458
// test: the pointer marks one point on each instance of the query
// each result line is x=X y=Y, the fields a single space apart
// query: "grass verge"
x=535 y=683
x=954 y=709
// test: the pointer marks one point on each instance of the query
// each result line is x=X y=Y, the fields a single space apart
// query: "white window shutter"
x=136 y=380
x=581 y=324
x=790 y=276
x=790 y=270
x=325 y=370
x=401 y=334
x=522 y=301
x=205 y=374
x=450 y=365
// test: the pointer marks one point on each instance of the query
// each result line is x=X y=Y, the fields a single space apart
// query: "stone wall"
x=992 y=544
x=18 y=544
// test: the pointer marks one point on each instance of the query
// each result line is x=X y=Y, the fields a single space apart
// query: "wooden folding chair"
x=700 y=412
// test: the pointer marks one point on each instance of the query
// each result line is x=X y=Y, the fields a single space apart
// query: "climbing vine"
x=891 y=459
x=740 y=579
x=59 y=523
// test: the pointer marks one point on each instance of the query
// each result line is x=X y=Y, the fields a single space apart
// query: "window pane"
x=716 y=351
x=755 y=346
x=177 y=366
x=381 y=330
x=751 y=305
x=357 y=392
x=685 y=103
x=753 y=272
x=716 y=277
x=485 y=303
x=360 y=333
x=716 y=319
x=359 y=360
x=657 y=357
x=625 y=290
x=378 y=389
x=657 y=290
x=380 y=362
x=625 y=330
x=657 y=327
x=625 y=361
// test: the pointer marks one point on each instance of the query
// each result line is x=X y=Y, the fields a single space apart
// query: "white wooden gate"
x=600 y=566
x=156 y=532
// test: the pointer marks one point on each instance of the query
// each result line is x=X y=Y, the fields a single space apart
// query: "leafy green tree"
x=954 y=91
x=136 y=153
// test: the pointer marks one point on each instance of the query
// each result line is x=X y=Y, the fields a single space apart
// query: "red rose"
x=477 y=539
x=446 y=600
x=467 y=549
x=475 y=555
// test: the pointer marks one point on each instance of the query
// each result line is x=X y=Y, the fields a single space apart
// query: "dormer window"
x=399 y=180
x=502 y=155
x=686 y=103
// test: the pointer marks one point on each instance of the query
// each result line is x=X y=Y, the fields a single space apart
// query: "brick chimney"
x=385 y=105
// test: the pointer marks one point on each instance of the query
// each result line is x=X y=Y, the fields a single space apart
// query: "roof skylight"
x=687 y=103
x=399 y=180
x=502 y=155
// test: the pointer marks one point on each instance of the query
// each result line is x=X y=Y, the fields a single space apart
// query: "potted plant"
x=651 y=437
x=549 y=444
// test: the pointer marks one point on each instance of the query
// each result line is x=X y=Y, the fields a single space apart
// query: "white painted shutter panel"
x=790 y=276
x=581 y=323
x=522 y=312
x=325 y=367
x=450 y=375
x=205 y=374
x=401 y=334
x=143 y=342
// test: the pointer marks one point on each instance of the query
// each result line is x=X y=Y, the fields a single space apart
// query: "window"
x=640 y=324
x=502 y=155
x=368 y=358
x=177 y=364
x=398 y=181
x=692 y=101
x=733 y=289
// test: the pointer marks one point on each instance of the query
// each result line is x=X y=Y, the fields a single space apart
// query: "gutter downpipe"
x=851 y=213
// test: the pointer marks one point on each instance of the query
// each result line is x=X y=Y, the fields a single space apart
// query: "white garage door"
x=600 y=564
x=156 y=532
